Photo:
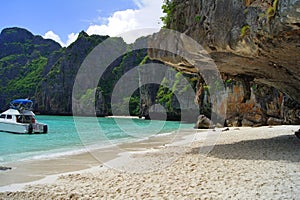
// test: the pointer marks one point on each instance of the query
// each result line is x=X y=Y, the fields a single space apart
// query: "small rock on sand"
x=2 y=168
x=297 y=133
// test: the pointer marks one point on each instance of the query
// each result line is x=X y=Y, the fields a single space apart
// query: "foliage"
x=134 y=106
x=164 y=95
x=168 y=8
x=218 y=85
x=198 y=18
x=31 y=76
x=206 y=88
x=114 y=73
x=272 y=9
x=275 y=4
x=254 y=87
x=245 y=30
x=144 y=60
x=168 y=88
x=270 y=12
x=88 y=97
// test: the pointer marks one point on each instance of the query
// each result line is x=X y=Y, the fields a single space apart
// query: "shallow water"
x=65 y=137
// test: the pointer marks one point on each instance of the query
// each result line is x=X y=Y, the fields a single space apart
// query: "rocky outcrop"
x=54 y=92
x=23 y=57
x=259 y=66
x=18 y=41
x=264 y=106
x=42 y=70
x=254 y=43
x=204 y=123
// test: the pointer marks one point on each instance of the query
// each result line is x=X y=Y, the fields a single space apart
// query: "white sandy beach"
x=245 y=163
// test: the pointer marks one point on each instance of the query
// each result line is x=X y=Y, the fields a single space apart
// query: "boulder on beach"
x=204 y=122
x=297 y=133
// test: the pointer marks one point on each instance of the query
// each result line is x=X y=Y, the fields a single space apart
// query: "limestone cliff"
x=255 y=43
x=23 y=57
x=54 y=92
x=42 y=70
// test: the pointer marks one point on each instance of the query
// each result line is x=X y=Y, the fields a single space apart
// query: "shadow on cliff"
x=285 y=148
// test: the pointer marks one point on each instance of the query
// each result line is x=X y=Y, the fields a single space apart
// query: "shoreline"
x=123 y=117
x=260 y=162
x=34 y=171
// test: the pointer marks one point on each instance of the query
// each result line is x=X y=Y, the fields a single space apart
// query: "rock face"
x=54 y=92
x=264 y=105
x=253 y=43
x=41 y=69
x=255 y=51
x=20 y=41
x=23 y=58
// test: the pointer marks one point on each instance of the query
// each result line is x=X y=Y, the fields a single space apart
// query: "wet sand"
x=245 y=163
x=28 y=171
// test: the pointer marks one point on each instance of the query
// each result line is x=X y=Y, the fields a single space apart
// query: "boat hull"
x=20 y=128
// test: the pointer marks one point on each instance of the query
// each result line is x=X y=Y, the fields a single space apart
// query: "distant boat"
x=20 y=119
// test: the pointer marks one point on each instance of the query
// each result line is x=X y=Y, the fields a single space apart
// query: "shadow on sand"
x=285 y=148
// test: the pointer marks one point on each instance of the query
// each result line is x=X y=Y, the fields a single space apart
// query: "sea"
x=68 y=135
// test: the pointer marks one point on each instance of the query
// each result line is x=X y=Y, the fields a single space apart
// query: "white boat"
x=20 y=119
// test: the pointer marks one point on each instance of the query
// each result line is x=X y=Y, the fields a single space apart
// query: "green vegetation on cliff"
x=168 y=8
x=31 y=75
x=23 y=58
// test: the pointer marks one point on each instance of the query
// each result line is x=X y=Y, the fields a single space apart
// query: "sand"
x=245 y=163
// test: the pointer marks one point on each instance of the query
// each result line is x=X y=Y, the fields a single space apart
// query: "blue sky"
x=62 y=20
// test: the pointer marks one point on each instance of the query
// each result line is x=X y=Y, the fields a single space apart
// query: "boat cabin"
x=20 y=118
x=25 y=119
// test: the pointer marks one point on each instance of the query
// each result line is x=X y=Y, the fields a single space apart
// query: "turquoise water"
x=68 y=137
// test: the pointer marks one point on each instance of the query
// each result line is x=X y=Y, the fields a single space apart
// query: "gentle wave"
x=64 y=140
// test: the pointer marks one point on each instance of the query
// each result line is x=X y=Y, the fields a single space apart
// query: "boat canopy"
x=21 y=101
x=21 y=104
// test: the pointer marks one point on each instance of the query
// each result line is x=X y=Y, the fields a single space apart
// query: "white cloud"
x=119 y=22
x=71 y=38
x=53 y=36
x=145 y=19
x=146 y=16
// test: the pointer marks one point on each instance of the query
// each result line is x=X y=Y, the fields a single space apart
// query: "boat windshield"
x=25 y=119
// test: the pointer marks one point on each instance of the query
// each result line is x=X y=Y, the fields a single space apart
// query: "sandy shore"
x=245 y=163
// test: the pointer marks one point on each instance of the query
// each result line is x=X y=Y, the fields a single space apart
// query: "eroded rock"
x=274 y=121
x=249 y=44
x=204 y=122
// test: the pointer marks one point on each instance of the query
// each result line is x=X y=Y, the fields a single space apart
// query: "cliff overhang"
x=253 y=40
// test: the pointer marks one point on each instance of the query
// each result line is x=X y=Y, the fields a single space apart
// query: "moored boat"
x=19 y=118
